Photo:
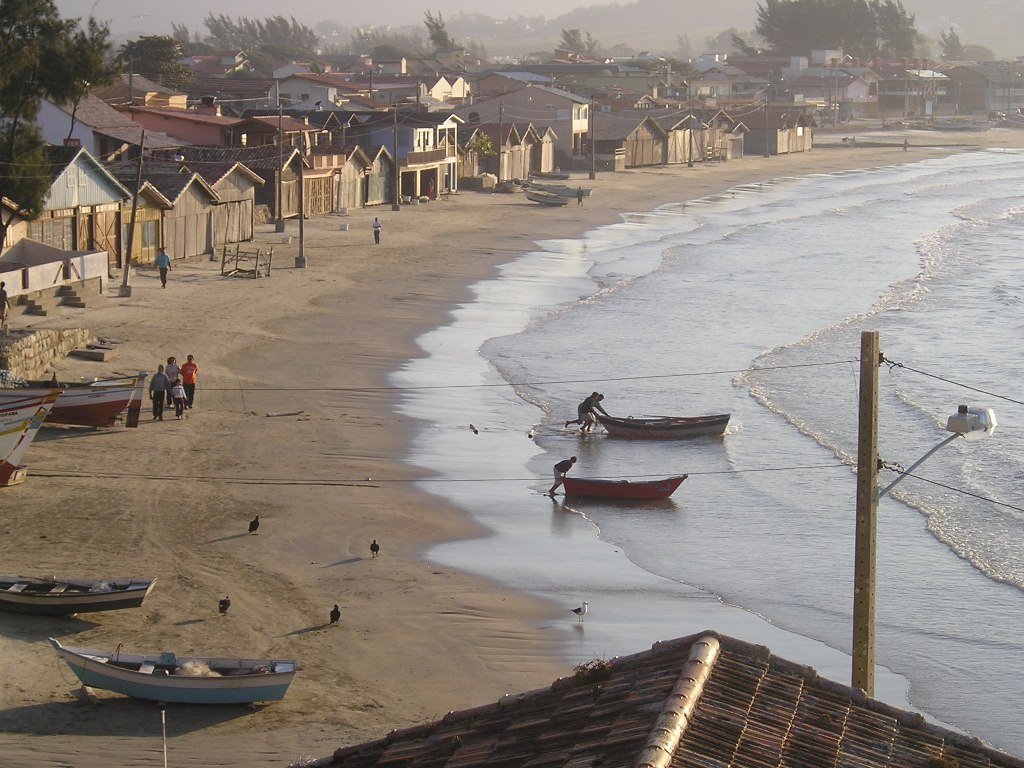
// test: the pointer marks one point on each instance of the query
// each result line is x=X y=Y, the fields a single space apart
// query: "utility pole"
x=767 y=131
x=279 y=224
x=867 y=514
x=500 y=142
x=398 y=172
x=590 y=135
x=125 y=291
x=300 y=260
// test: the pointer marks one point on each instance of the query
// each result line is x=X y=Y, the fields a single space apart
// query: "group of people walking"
x=173 y=385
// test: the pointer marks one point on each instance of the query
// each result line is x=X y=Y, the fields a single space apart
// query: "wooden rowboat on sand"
x=545 y=198
x=51 y=596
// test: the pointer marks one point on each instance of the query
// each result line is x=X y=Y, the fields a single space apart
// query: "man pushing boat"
x=586 y=413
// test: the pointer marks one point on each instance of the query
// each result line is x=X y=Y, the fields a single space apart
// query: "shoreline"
x=372 y=304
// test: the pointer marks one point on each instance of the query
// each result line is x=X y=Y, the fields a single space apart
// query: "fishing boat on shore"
x=545 y=198
x=176 y=679
x=622 y=489
x=20 y=420
x=88 y=404
x=665 y=427
x=51 y=596
x=550 y=175
x=560 y=190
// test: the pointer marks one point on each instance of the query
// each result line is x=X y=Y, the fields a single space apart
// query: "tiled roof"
x=169 y=179
x=263 y=158
x=190 y=115
x=703 y=701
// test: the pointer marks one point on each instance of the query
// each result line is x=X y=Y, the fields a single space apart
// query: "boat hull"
x=96 y=405
x=546 y=198
x=20 y=420
x=635 y=490
x=667 y=427
x=40 y=597
x=150 y=677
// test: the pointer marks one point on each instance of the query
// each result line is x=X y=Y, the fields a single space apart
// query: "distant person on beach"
x=561 y=469
x=585 y=412
x=173 y=372
x=579 y=197
x=163 y=263
x=178 y=396
x=159 y=386
x=188 y=380
x=376 y=230
x=906 y=144
x=5 y=305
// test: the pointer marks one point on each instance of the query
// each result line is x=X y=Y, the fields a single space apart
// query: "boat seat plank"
x=19 y=587
x=147 y=668
x=58 y=589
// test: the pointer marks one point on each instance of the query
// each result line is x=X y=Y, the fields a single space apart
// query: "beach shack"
x=643 y=142
x=702 y=700
x=778 y=132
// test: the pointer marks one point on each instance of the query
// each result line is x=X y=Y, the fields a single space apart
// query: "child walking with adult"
x=178 y=395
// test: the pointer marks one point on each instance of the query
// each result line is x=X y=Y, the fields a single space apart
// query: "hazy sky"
x=132 y=17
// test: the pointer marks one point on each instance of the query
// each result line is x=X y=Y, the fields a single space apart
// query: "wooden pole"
x=867 y=513
x=300 y=260
x=590 y=135
x=279 y=223
x=126 y=288
x=395 y=206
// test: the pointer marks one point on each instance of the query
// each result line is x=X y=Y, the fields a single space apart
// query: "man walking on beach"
x=159 y=388
x=376 y=230
x=5 y=305
x=188 y=380
x=561 y=469
x=579 y=197
x=163 y=263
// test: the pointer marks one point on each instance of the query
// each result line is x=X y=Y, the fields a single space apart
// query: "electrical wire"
x=893 y=365
x=961 y=491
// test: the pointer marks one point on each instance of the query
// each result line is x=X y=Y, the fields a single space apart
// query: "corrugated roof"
x=265 y=157
x=703 y=701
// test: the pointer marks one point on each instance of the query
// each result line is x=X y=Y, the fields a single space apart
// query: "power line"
x=527 y=383
x=893 y=364
x=959 y=490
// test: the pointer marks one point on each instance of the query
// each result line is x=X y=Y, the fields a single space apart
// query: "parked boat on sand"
x=88 y=404
x=20 y=420
x=545 y=198
x=622 y=489
x=665 y=427
x=176 y=679
x=51 y=596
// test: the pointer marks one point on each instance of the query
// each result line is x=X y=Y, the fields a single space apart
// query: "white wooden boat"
x=561 y=191
x=181 y=679
x=88 y=404
x=51 y=596
x=20 y=420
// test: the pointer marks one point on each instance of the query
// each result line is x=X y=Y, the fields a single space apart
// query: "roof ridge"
x=680 y=704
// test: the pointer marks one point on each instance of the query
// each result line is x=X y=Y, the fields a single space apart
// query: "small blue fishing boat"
x=181 y=679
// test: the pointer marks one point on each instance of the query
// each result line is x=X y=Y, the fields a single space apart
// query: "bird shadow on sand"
x=306 y=630
x=343 y=562
x=228 y=538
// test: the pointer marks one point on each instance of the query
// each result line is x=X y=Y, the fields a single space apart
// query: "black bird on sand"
x=375 y=548
x=254 y=524
x=224 y=604
x=335 y=614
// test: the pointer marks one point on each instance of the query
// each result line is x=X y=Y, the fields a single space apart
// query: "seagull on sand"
x=475 y=430
x=224 y=604
x=374 y=548
x=581 y=611
x=254 y=524
x=335 y=614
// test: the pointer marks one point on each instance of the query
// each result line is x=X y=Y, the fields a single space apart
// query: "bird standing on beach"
x=335 y=614
x=254 y=524
x=224 y=604
x=475 y=430
x=581 y=611
x=374 y=548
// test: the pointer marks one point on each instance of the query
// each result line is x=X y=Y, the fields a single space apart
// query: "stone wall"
x=30 y=354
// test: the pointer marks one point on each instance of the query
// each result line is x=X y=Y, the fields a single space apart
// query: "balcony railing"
x=428 y=156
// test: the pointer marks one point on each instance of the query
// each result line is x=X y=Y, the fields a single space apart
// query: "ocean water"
x=752 y=302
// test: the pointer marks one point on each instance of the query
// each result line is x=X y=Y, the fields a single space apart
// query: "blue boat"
x=181 y=679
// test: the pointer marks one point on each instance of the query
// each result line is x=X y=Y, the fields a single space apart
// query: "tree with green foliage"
x=576 y=41
x=157 y=57
x=482 y=145
x=438 y=32
x=284 y=36
x=42 y=56
x=864 y=28
x=952 y=48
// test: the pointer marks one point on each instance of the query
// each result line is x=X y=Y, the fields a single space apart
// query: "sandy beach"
x=172 y=499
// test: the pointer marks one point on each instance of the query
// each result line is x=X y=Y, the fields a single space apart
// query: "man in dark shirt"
x=561 y=468
x=585 y=412
x=159 y=388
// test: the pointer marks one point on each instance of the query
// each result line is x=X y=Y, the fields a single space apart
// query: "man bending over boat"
x=586 y=413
